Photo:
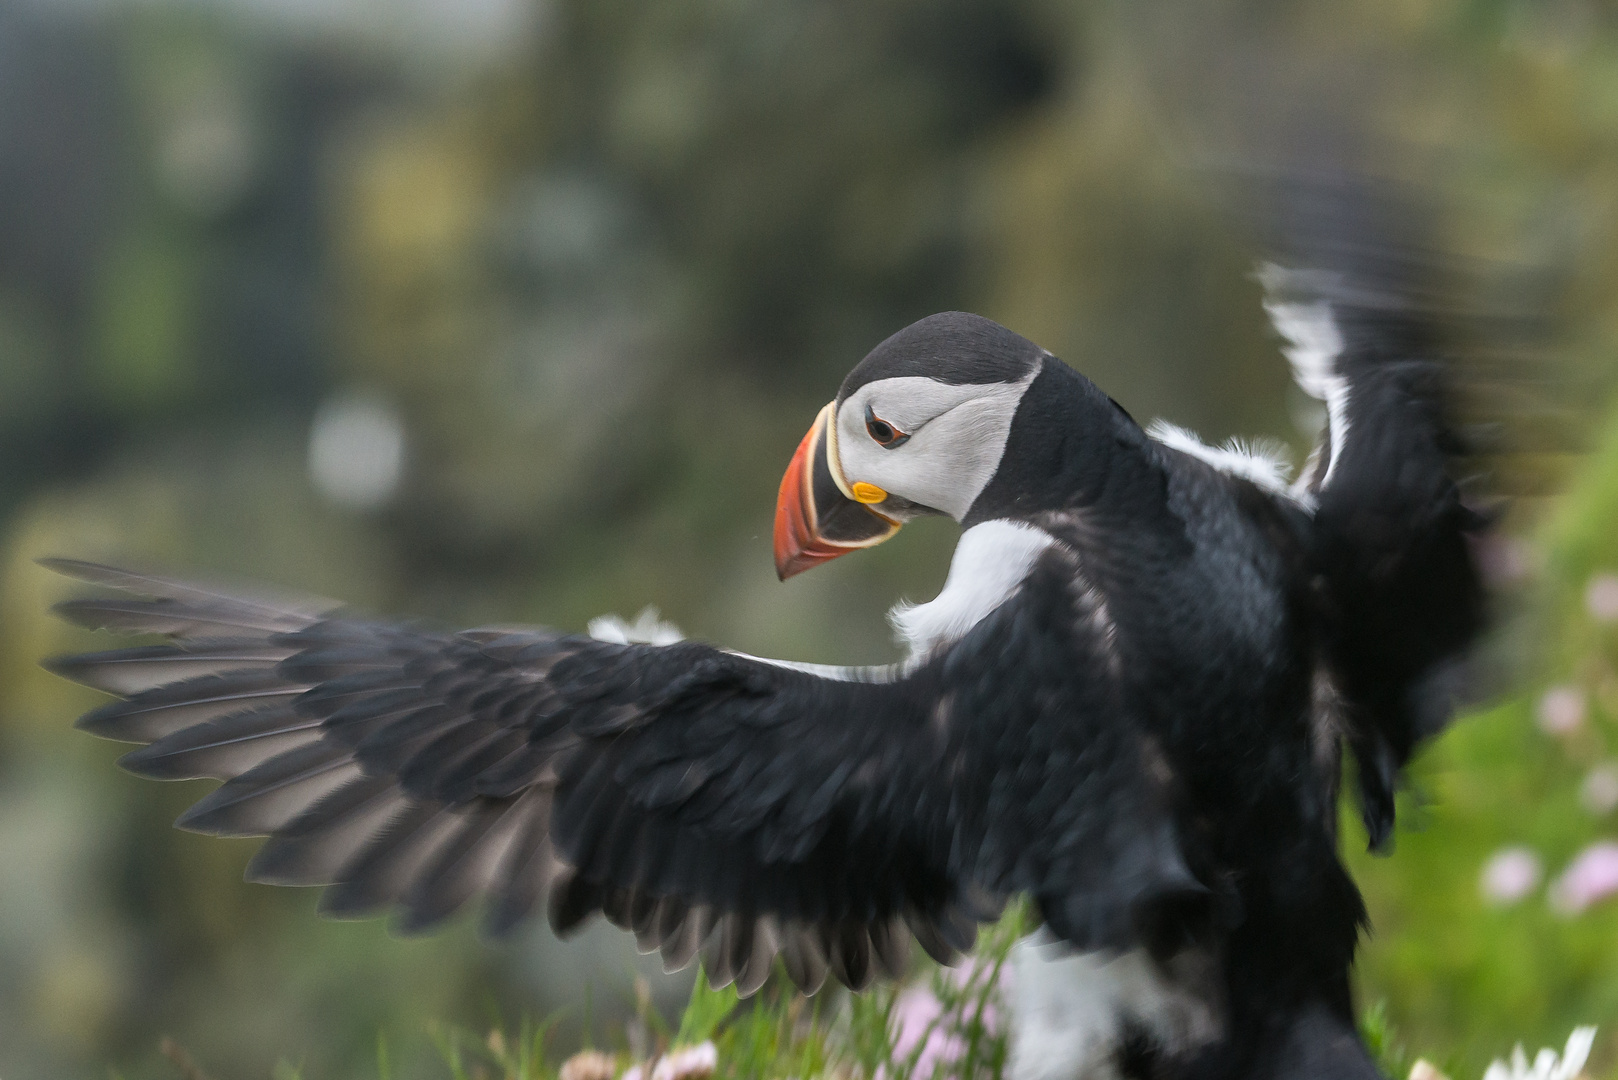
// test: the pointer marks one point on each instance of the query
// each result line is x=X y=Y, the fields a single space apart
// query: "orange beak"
x=815 y=520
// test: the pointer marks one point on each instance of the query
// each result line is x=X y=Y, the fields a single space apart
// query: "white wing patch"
x=1264 y=464
x=1314 y=342
x=990 y=561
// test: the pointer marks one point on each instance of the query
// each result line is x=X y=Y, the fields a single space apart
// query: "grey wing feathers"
x=179 y=608
x=411 y=770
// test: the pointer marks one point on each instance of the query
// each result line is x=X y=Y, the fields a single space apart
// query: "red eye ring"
x=883 y=433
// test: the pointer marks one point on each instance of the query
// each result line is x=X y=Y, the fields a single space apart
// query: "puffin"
x=1130 y=703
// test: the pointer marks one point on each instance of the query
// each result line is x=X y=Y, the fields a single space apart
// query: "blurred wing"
x=702 y=799
x=1393 y=540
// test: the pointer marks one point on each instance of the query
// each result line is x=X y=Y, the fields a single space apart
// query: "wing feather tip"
x=109 y=722
x=68 y=666
x=221 y=813
x=573 y=901
x=150 y=765
x=206 y=820
x=283 y=861
x=78 y=569
x=81 y=612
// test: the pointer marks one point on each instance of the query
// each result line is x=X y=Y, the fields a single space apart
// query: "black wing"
x=705 y=800
x=1393 y=542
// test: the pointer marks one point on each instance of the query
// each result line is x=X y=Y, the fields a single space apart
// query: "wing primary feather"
x=151 y=715
x=933 y=942
x=285 y=611
x=890 y=948
x=529 y=866
x=647 y=940
x=128 y=672
x=170 y=618
x=223 y=748
x=802 y=958
x=616 y=906
x=262 y=801
x=465 y=862
x=384 y=868
x=315 y=847
x=679 y=950
x=716 y=953
x=851 y=955
x=758 y=961
x=573 y=899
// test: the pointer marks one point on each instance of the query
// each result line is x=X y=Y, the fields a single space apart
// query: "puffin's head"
x=917 y=428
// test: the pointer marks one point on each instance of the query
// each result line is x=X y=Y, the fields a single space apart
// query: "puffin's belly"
x=1071 y=1011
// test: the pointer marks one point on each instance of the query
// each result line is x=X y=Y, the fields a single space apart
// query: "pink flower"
x=918 y=1021
x=914 y=1014
x=1601 y=598
x=1502 y=559
x=1561 y=710
x=587 y=1065
x=1592 y=876
x=1509 y=875
x=687 y=1063
x=1599 y=792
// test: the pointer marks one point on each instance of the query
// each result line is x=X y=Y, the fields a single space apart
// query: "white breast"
x=991 y=560
x=1070 y=1010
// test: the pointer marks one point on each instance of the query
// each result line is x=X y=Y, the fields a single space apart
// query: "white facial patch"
x=991 y=560
x=957 y=432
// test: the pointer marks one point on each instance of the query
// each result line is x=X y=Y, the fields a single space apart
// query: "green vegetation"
x=944 y=1025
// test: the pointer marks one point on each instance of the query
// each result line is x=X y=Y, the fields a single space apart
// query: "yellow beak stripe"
x=867 y=493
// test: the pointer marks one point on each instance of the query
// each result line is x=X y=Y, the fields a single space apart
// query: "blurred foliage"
x=777 y=1033
x=604 y=264
x=1456 y=970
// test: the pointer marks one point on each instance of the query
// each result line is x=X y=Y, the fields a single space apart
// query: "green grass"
x=775 y=1035
x=781 y=1035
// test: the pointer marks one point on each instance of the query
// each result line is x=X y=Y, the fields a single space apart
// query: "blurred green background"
x=500 y=310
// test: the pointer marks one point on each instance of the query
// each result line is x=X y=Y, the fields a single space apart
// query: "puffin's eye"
x=883 y=432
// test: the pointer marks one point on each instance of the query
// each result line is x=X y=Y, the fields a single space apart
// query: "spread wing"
x=702 y=799
x=1369 y=334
